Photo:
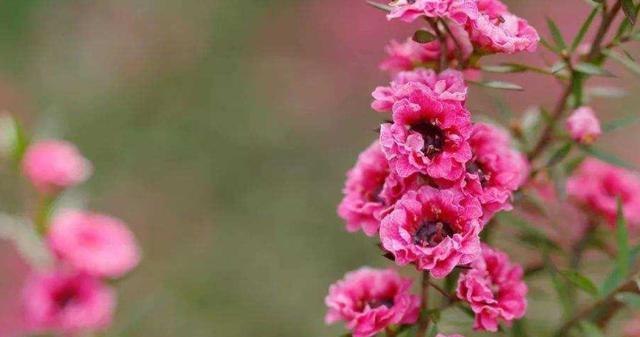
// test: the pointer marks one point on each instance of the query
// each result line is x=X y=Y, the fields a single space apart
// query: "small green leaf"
x=607 y=92
x=433 y=331
x=590 y=329
x=573 y=164
x=560 y=154
x=556 y=34
x=504 y=68
x=606 y=157
x=620 y=123
x=632 y=300
x=580 y=281
x=629 y=10
x=560 y=286
x=592 y=69
x=548 y=45
x=423 y=36
x=622 y=241
x=498 y=85
x=379 y=6
x=629 y=64
x=519 y=328
x=556 y=68
x=584 y=28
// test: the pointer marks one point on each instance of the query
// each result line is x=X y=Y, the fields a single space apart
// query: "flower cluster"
x=72 y=296
x=478 y=27
x=434 y=178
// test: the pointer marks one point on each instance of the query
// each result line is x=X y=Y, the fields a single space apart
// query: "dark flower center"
x=65 y=296
x=474 y=167
x=432 y=233
x=433 y=138
x=411 y=2
x=373 y=195
x=387 y=302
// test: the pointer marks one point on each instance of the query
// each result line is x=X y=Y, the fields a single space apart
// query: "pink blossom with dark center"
x=369 y=300
x=584 y=126
x=597 y=185
x=495 y=171
x=370 y=191
x=494 y=288
x=435 y=229
x=67 y=303
x=428 y=135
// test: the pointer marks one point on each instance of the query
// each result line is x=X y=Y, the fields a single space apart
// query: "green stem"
x=41 y=219
x=423 y=324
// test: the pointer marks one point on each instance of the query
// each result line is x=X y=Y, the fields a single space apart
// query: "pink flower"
x=597 y=185
x=457 y=10
x=494 y=289
x=447 y=85
x=632 y=328
x=370 y=191
x=67 y=303
x=435 y=229
x=96 y=244
x=428 y=135
x=584 y=126
x=495 y=171
x=410 y=54
x=495 y=30
x=54 y=165
x=369 y=300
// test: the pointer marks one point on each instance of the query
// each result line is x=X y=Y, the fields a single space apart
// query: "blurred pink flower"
x=632 y=328
x=53 y=165
x=435 y=229
x=369 y=300
x=370 y=191
x=494 y=289
x=495 y=171
x=67 y=303
x=584 y=126
x=93 y=243
x=428 y=135
x=596 y=185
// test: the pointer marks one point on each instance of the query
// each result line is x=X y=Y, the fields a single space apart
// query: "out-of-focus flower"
x=597 y=185
x=371 y=189
x=584 y=126
x=67 y=303
x=428 y=135
x=53 y=165
x=495 y=30
x=369 y=300
x=448 y=86
x=494 y=289
x=632 y=328
x=495 y=171
x=93 y=243
x=435 y=229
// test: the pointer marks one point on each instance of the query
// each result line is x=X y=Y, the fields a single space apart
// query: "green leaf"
x=632 y=300
x=583 y=29
x=580 y=281
x=498 y=85
x=548 y=45
x=28 y=243
x=423 y=36
x=560 y=154
x=433 y=331
x=590 y=329
x=606 y=92
x=629 y=64
x=620 y=123
x=573 y=164
x=606 y=157
x=379 y=6
x=504 y=68
x=622 y=241
x=519 y=328
x=629 y=10
x=560 y=287
x=592 y=69
x=556 y=34
x=556 y=68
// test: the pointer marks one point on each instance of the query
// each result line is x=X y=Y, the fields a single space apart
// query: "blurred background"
x=221 y=132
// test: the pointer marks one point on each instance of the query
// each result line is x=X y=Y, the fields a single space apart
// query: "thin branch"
x=443 y=44
x=423 y=324
x=458 y=50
